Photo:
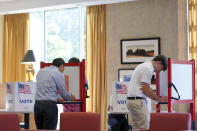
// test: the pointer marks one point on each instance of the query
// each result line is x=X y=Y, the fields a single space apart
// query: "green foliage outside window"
x=64 y=33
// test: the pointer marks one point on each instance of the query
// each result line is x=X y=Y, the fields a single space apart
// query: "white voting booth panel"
x=180 y=74
x=20 y=96
x=73 y=72
x=75 y=79
x=163 y=83
x=73 y=83
x=119 y=97
x=181 y=77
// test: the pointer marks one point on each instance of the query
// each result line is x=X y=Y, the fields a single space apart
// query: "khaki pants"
x=140 y=116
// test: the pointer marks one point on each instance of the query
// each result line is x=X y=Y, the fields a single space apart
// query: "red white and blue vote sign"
x=10 y=88
x=119 y=97
x=25 y=93
x=20 y=96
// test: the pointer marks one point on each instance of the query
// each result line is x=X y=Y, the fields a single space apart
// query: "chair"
x=79 y=121
x=9 y=122
x=169 y=122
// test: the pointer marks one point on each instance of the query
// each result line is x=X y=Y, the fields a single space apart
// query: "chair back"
x=170 y=121
x=79 y=121
x=9 y=122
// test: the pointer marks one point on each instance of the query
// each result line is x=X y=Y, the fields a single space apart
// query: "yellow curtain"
x=192 y=13
x=15 y=45
x=96 y=61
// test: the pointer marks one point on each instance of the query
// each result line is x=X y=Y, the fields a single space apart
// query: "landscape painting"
x=139 y=50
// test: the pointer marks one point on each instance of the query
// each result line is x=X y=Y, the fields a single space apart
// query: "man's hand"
x=72 y=98
x=60 y=100
x=150 y=93
x=163 y=99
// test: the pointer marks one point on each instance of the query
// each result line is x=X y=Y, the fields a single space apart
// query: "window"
x=58 y=33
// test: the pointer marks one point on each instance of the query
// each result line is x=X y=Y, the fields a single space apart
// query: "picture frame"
x=135 y=51
x=125 y=74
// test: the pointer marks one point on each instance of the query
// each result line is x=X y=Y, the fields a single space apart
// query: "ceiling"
x=19 y=6
x=5 y=0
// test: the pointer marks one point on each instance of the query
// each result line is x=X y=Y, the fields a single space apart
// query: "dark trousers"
x=46 y=115
x=118 y=122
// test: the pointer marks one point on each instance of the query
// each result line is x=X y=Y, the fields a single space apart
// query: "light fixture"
x=28 y=59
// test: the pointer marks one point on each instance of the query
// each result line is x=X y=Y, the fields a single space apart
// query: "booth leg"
x=26 y=120
x=194 y=125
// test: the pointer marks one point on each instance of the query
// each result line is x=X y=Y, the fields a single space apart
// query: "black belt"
x=45 y=102
x=133 y=98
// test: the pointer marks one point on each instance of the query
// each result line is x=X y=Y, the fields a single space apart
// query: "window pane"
x=62 y=33
x=37 y=34
x=37 y=37
x=58 y=33
x=83 y=33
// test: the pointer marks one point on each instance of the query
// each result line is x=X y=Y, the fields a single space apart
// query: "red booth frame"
x=170 y=101
x=81 y=65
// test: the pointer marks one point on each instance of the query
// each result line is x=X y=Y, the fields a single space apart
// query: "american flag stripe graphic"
x=23 y=88
x=121 y=89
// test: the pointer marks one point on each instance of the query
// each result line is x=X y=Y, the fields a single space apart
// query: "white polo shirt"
x=142 y=73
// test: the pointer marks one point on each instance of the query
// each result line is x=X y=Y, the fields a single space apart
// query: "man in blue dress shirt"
x=48 y=81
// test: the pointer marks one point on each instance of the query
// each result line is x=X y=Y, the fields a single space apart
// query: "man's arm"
x=150 y=93
x=61 y=86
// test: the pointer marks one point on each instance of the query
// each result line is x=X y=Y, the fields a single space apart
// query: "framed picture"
x=135 y=51
x=125 y=74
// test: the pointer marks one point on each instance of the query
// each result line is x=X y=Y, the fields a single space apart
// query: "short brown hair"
x=163 y=60
x=58 y=62
x=73 y=60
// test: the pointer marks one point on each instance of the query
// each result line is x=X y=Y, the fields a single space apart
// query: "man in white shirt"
x=140 y=93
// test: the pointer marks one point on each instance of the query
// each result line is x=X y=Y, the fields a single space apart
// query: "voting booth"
x=75 y=73
x=178 y=83
x=20 y=96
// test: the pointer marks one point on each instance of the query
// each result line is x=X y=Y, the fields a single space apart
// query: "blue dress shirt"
x=48 y=81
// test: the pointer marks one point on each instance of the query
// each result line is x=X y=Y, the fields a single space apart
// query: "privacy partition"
x=76 y=75
x=178 y=83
